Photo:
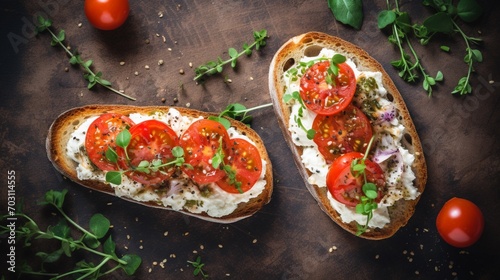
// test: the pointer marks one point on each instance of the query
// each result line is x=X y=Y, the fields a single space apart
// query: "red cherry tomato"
x=460 y=222
x=201 y=142
x=345 y=187
x=150 y=140
x=101 y=135
x=348 y=131
x=106 y=14
x=322 y=97
x=244 y=159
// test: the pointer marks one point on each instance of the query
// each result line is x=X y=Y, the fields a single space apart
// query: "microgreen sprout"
x=298 y=119
x=89 y=241
x=333 y=70
x=198 y=267
x=238 y=112
x=75 y=58
x=218 y=162
x=367 y=201
x=213 y=67
x=123 y=140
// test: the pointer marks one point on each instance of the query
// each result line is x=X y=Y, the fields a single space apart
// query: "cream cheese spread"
x=181 y=193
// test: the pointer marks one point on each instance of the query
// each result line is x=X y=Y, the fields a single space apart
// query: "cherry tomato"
x=345 y=187
x=322 y=97
x=245 y=161
x=101 y=134
x=106 y=14
x=150 y=140
x=348 y=131
x=460 y=222
x=201 y=142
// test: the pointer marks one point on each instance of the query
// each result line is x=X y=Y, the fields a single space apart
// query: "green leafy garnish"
x=76 y=59
x=91 y=240
x=198 y=267
x=347 y=12
x=213 y=67
x=218 y=163
x=238 y=112
x=298 y=119
x=367 y=201
x=444 y=21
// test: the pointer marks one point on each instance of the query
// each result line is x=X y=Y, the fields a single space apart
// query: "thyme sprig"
x=216 y=66
x=76 y=59
x=88 y=241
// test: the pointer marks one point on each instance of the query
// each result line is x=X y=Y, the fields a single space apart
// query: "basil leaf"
x=347 y=12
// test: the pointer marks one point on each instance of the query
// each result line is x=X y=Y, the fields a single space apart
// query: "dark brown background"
x=293 y=236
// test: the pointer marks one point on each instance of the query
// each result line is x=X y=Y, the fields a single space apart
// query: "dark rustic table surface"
x=290 y=238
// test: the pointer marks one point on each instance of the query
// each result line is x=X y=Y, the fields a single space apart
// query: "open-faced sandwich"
x=167 y=157
x=351 y=135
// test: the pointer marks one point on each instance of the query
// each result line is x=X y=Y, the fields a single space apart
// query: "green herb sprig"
x=89 y=241
x=238 y=112
x=213 y=67
x=198 y=267
x=123 y=140
x=218 y=163
x=401 y=27
x=300 y=114
x=75 y=58
x=367 y=201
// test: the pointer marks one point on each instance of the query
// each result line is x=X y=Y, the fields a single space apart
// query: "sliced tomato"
x=201 y=142
x=245 y=162
x=348 y=131
x=327 y=98
x=347 y=188
x=101 y=135
x=150 y=140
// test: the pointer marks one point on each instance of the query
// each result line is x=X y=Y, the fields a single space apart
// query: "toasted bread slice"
x=61 y=129
x=309 y=44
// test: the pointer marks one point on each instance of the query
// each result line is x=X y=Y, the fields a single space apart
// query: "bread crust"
x=65 y=124
x=312 y=42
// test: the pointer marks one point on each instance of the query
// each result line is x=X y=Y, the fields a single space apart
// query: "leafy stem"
x=298 y=118
x=198 y=267
x=367 y=201
x=75 y=58
x=213 y=67
x=238 y=112
x=88 y=242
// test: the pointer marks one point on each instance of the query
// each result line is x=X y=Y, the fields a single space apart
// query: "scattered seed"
x=377 y=257
x=186 y=233
x=163 y=100
x=188 y=104
x=220 y=246
x=146 y=41
x=254 y=241
x=181 y=71
x=202 y=247
x=169 y=49
x=160 y=62
x=79 y=24
x=176 y=100
x=160 y=14
x=164 y=39
x=416 y=272
x=137 y=74
x=141 y=247
x=491 y=82
x=155 y=263
x=150 y=269
x=251 y=78
x=146 y=66
x=66 y=69
x=128 y=237
x=165 y=233
x=190 y=64
x=157 y=35
x=195 y=252
x=172 y=256
x=126 y=248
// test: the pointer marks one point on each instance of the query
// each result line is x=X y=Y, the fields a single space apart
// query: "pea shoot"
x=216 y=66
x=238 y=112
x=76 y=59
x=88 y=241
x=367 y=201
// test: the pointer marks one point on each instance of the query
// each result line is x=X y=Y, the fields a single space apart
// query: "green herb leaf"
x=114 y=177
x=440 y=22
x=469 y=10
x=347 y=12
x=133 y=262
x=386 y=18
x=123 y=138
x=99 y=225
